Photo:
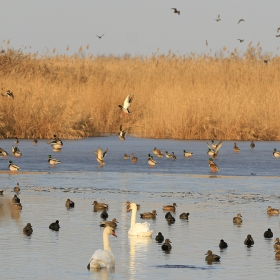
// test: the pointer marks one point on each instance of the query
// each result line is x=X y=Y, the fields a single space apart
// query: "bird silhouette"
x=206 y=43
x=218 y=18
x=241 y=40
x=175 y=11
x=278 y=29
x=99 y=37
x=241 y=20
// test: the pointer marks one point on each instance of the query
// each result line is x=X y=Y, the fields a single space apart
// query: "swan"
x=103 y=258
x=138 y=229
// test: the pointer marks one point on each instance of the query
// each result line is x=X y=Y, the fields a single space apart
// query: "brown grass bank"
x=190 y=97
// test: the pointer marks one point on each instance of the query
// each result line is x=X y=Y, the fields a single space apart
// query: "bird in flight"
x=99 y=37
x=206 y=43
x=126 y=104
x=241 y=40
x=277 y=35
x=8 y=93
x=241 y=20
x=265 y=61
x=176 y=11
x=218 y=18
x=278 y=29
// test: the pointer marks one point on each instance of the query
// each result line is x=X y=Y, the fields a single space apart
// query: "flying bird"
x=218 y=19
x=241 y=20
x=100 y=156
x=240 y=40
x=122 y=134
x=8 y=94
x=99 y=37
x=277 y=35
x=175 y=11
x=126 y=104
x=278 y=29
x=265 y=61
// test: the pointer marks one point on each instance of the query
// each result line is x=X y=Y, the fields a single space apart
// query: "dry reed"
x=186 y=97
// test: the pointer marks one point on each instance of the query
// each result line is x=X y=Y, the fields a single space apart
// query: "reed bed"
x=179 y=97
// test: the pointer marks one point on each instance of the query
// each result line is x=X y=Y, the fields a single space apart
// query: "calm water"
x=247 y=183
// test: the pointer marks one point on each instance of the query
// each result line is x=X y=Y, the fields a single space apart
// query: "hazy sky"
x=139 y=27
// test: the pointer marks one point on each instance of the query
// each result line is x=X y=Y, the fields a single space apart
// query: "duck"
x=252 y=145
x=213 y=149
x=28 y=229
x=16 y=152
x=276 y=153
x=16 y=141
x=13 y=167
x=272 y=211
x=157 y=152
x=268 y=234
x=3 y=153
x=100 y=205
x=170 y=219
x=15 y=199
x=213 y=166
x=173 y=156
x=103 y=258
x=159 y=238
x=175 y=11
x=138 y=229
x=168 y=155
x=35 y=141
x=69 y=203
x=166 y=246
x=277 y=254
x=128 y=204
x=134 y=159
x=249 y=241
x=149 y=215
x=125 y=156
x=210 y=152
x=104 y=215
x=53 y=161
x=237 y=219
x=122 y=134
x=17 y=188
x=218 y=18
x=54 y=226
x=112 y=224
x=184 y=216
x=276 y=245
x=235 y=148
x=187 y=154
x=8 y=93
x=100 y=155
x=151 y=161
x=170 y=207
x=126 y=104
x=211 y=257
x=18 y=206
x=223 y=244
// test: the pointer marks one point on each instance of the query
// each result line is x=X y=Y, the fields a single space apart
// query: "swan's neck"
x=133 y=217
x=106 y=242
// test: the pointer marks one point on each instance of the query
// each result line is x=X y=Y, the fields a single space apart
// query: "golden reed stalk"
x=186 y=97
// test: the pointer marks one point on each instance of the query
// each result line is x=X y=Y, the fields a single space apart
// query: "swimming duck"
x=104 y=215
x=16 y=141
x=252 y=145
x=149 y=215
x=173 y=156
x=126 y=104
x=268 y=234
x=170 y=207
x=56 y=143
x=272 y=211
x=249 y=241
x=69 y=203
x=237 y=219
x=53 y=161
x=223 y=244
x=277 y=254
x=211 y=257
x=100 y=155
x=15 y=199
x=112 y=224
x=128 y=205
x=8 y=94
x=55 y=226
x=100 y=205
x=3 y=153
x=159 y=238
x=170 y=219
x=17 y=188
x=35 y=141
x=13 y=167
x=134 y=159
x=184 y=216
x=125 y=156
x=27 y=229
x=168 y=155
x=166 y=246
x=235 y=148
x=210 y=152
x=157 y=152
x=276 y=153
x=16 y=152
x=122 y=134
x=276 y=245
x=151 y=161
x=213 y=166
x=187 y=154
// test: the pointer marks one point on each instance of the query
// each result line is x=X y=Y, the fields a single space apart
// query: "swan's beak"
x=114 y=233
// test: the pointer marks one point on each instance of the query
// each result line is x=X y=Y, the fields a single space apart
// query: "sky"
x=142 y=27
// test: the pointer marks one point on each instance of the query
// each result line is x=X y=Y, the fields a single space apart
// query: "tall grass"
x=187 y=97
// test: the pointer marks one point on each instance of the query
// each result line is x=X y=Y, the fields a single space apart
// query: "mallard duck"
x=100 y=155
x=134 y=159
x=15 y=199
x=3 y=153
x=149 y=215
x=168 y=155
x=128 y=205
x=272 y=211
x=213 y=145
x=157 y=152
x=151 y=161
x=16 y=152
x=35 y=141
x=210 y=152
x=170 y=207
x=213 y=166
x=211 y=257
x=100 y=205
x=56 y=142
x=235 y=148
x=184 y=216
x=16 y=141
x=53 y=161
x=173 y=156
x=126 y=104
x=166 y=246
x=276 y=245
x=277 y=254
x=159 y=238
x=268 y=234
x=125 y=156
x=249 y=241
x=252 y=145
x=27 y=229
x=213 y=149
x=187 y=154
x=13 y=167
x=122 y=134
x=112 y=224
x=54 y=226
x=223 y=244
x=237 y=219
x=8 y=94
x=69 y=203
x=104 y=215
x=276 y=153
x=17 y=188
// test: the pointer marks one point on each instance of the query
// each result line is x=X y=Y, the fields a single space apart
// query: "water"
x=247 y=183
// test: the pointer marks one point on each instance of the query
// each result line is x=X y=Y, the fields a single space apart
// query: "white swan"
x=103 y=258
x=138 y=229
